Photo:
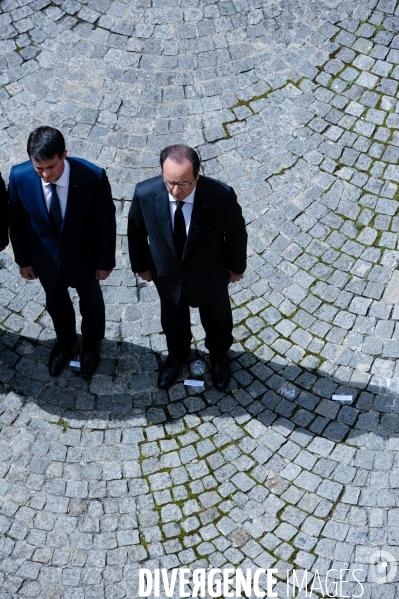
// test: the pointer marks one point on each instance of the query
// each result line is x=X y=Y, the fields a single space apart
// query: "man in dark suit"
x=3 y=215
x=187 y=234
x=63 y=230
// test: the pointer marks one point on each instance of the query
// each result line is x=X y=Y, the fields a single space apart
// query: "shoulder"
x=22 y=170
x=209 y=185
x=82 y=165
x=150 y=186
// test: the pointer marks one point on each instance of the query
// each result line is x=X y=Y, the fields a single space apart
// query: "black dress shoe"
x=89 y=358
x=168 y=372
x=59 y=356
x=220 y=369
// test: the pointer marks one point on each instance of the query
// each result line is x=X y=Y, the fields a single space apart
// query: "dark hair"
x=45 y=142
x=179 y=153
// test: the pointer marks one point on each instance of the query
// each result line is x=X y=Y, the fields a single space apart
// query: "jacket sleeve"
x=106 y=225
x=139 y=249
x=3 y=214
x=235 y=235
x=19 y=221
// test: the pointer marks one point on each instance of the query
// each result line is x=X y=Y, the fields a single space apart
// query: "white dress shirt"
x=186 y=209
x=62 y=189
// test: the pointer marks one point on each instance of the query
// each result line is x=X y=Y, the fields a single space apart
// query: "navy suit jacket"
x=3 y=214
x=88 y=234
x=216 y=242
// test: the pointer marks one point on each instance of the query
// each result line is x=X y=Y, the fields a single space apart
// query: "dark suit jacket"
x=88 y=234
x=216 y=242
x=3 y=214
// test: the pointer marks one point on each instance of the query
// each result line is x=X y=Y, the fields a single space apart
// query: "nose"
x=176 y=190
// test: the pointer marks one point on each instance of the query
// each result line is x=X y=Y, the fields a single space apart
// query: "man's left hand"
x=101 y=275
x=234 y=278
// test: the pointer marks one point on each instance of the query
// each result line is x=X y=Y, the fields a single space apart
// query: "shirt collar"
x=188 y=200
x=63 y=181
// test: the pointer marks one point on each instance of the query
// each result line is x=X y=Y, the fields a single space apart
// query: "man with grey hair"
x=186 y=233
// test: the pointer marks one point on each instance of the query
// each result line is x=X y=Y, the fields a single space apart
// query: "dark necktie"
x=179 y=230
x=55 y=209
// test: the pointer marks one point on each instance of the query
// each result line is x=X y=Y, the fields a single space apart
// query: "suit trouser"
x=216 y=318
x=92 y=309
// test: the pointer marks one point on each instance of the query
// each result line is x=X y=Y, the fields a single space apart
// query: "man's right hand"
x=234 y=278
x=27 y=272
x=145 y=275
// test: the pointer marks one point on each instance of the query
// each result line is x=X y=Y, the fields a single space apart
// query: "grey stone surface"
x=294 y=104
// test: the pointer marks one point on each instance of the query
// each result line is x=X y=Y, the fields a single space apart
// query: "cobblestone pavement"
x=294 y=103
